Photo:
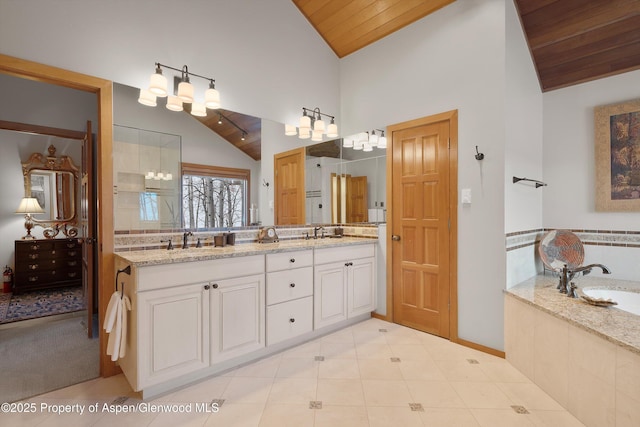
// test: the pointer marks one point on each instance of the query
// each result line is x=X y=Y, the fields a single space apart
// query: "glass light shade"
x=158 y=85
x=358 y=145
x=304 y=133
x=150 y=175
x=316 y=135
x=373 y=140
x=159 y=176
x=185 y=92
x=332 y=130
x=367 y=147
x=198 y=109
x=174 y=103
x=319 y=126
x=290 y=130
x=305 y=123
x=147 y=98
x=168 y=176
x=382 y=142
x=347 y=142
x=212 y=99
x=363 y=137
x=29 y=205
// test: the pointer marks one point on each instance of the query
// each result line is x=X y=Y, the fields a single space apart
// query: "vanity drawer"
x=289 y=260
x=289 y=319
x=344 y=253
x=288 y=285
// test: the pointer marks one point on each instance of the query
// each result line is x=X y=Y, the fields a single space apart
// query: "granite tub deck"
x=163 y=256
x=616 y=326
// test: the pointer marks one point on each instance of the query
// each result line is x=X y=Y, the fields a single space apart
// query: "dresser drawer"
x=289 y=319
x=289 y=260
x=52 y=276
x=289 y=284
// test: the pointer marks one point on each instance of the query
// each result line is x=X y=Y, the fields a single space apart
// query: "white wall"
x=452 y=59
x=266 y=58
x=569 y=167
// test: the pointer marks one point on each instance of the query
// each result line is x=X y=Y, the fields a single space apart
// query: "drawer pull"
x=72 y=253
x=34 y=256
x=348 y=264
x=206 y=287
x=73 y=274
x=292 y=260
x=215 y=286
x=292 y=320
x=292 y=285
x=35 y=247
x=71 y=245
x=33 y=266
x=72 y=263
x=33 y=278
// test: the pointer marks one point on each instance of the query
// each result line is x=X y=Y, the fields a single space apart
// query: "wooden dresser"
x=47 y=263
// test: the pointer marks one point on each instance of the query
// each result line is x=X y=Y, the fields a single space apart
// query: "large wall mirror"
x=323 y=160
x=53 y=181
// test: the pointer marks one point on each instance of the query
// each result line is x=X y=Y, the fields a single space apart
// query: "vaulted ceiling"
x=571 y=41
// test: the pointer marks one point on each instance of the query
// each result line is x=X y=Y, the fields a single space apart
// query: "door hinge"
x=449 y=223
x=449 y=143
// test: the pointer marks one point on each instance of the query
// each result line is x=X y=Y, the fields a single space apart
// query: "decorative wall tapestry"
x=617 y=139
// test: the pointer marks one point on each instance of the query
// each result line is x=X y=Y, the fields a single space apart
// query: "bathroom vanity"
x=200 y=311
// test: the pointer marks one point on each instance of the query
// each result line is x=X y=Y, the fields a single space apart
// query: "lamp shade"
x=382 y=142
x=174 y=103
x=332 y=130
x=185 y=92
x=147 y=98
x=373 y=139
x=158 y=84
x=305 y=123
x=212 y=98
x=347 y=142
x=198 y=109
x=367 y=147
x=319 y=126
x=304 y=134
x=29 y=205
x=316 y=135
x=290 y=130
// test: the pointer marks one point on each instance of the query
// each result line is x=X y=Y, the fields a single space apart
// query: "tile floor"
x=374 y=373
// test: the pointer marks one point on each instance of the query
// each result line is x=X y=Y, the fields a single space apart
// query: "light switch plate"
x=466 y=196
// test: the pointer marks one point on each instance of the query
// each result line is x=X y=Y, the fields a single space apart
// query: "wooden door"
x=87 y=218
x=289 y=187
x=357 y=199
x=420 y=219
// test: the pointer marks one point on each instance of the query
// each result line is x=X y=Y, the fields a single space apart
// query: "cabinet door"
x=330 y=294
x=360 y=286
x=237 y=317
x=177 y=341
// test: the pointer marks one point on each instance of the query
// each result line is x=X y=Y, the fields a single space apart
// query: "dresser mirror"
x=53 y=181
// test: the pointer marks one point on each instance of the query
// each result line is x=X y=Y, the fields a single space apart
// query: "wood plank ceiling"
x=575 y=41
x=222 y=122
x=348 y=26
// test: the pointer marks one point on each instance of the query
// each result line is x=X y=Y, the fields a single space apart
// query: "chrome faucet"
x=185 y=239
x=315 y=232
x=568 y=274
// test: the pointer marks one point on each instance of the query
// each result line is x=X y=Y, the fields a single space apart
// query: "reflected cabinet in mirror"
x=53 y=181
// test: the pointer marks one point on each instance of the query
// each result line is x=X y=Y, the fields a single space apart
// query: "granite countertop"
x=615 y=325
x=163 y=256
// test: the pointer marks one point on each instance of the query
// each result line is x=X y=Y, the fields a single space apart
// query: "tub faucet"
x=568 y=274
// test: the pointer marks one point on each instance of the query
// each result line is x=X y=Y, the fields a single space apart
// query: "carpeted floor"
x=30 y=305
x=45 y=356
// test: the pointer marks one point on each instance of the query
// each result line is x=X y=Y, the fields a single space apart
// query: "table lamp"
x=29 y=206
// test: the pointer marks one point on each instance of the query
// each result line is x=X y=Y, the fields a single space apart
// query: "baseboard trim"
x=380 y=316
x=480 y=347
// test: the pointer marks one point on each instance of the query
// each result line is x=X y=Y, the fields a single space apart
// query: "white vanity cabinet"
x=237 y=317
x=175 y=341
x=344 y=283
x=289 y=295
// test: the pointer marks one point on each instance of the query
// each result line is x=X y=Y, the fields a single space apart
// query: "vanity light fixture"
x=366 y=141
x=183 y=94
x=29 y=206
x=312 y=126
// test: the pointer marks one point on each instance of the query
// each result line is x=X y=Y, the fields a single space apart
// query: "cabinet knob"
x=292 y=260
x=348 y=264
x=292 y=285
x=215 y=286
x=292 y=320
x=206 y=287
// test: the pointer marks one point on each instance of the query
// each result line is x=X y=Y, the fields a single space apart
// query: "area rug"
x=30 y=305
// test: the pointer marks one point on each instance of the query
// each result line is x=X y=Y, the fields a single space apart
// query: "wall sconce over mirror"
x=183 y=92
x=312 y=126
x=366 y=141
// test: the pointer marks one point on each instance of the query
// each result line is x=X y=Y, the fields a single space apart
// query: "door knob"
x=395 y=238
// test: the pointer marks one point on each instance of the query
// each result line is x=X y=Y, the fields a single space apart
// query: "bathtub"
x=627 y=300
